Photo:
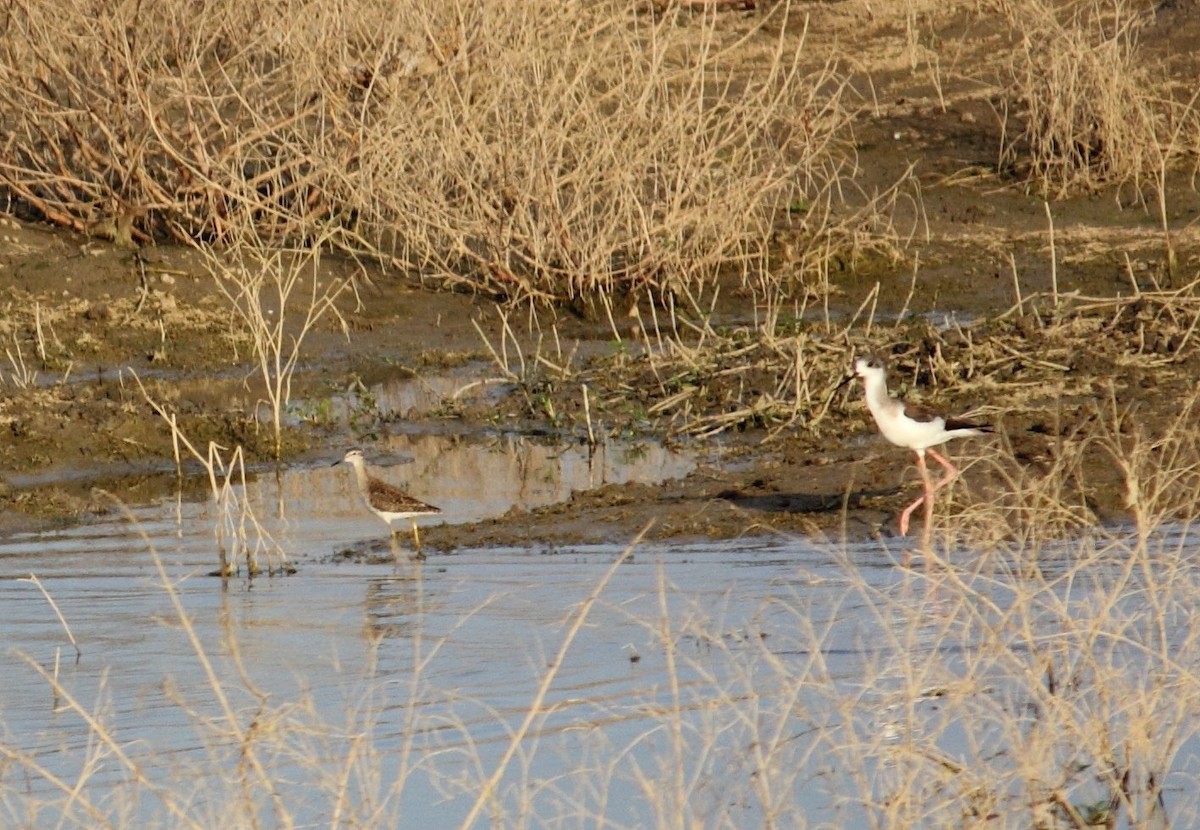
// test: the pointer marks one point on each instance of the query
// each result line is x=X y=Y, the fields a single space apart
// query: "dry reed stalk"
x=1093 y=113
x=254 y=779
x=1160 y=466
x=100 y=732
x=22 y=376
x=37 y=583
x=279 y=295
x=237 y=529
x=1000 y=695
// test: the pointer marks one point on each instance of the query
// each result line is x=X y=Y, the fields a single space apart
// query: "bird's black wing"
x=925 y=415
x=963 y=423
x=921 y=414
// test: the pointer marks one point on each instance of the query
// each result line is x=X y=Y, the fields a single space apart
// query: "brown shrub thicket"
x=533 y=149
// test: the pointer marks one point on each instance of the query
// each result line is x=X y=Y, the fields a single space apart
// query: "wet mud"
x=90 y=331
x=415 y=364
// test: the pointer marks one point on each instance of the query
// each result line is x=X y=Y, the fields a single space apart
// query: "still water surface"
x=384 y=696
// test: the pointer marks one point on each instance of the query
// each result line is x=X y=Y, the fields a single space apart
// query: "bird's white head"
x=869 y=366
x=352 y=457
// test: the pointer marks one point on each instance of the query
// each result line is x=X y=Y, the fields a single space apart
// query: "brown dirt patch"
x=74 y=420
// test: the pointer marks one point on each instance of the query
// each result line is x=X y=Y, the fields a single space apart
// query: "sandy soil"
x=75 y=420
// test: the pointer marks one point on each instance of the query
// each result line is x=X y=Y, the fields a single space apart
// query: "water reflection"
x=411 y=397
x=796 y=683
x=472 y=477
x=394 y=603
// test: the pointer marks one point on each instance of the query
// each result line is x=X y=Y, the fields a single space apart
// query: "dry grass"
x=687 y=376
x=1065 y=705
x=1093 y=111
x=237 y=531
x=535 y=150
x=1111 y=462
x=620 y=151
x=278 y=296
x=549 y=151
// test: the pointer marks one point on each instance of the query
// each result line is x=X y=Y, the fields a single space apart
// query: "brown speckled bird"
x=385 y=501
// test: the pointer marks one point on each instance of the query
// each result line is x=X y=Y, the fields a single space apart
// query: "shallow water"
x=488 y=621
x=783 y=654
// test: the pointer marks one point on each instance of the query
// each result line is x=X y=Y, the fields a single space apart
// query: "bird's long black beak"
x=845 y=380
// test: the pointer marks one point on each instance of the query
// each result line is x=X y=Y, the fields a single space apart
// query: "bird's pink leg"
x=927 y=526
x=904 y=517
x=951 y=470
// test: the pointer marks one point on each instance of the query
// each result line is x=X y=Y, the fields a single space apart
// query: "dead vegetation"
x=546 y=151
x=634 y=163
x=1091 y=110
x=533 y=150
x=700 y=379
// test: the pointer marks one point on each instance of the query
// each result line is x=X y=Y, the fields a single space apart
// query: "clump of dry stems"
x=236 y=529
x=532 y=149
x=278 y=295
x=1092 y=110
x=697 y=378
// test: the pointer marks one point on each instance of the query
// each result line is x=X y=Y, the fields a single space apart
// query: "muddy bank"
x=78 y=420
x=1070 y=324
